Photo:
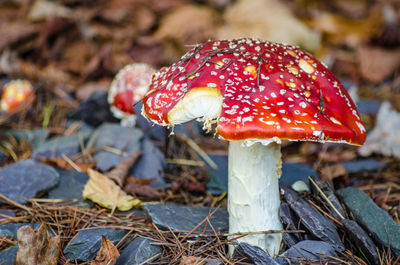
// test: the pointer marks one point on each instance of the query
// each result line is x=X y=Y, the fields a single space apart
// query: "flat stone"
x=218 y=182
x=213 y=262
x=71 y=185
x=2 y=158
x=151 y=165
x=10 y=230
x=26 y=179
x=120 y=138
x=138 y=251
x=63 y=145
x=4 y=213
x=289 y=220
x=85 y=245
x=149 y=128
x=309 y=250
x=94 y=111
x=370 y=107
x=362 y=165
x=360 y=239
x=315 y=222
x=7 y=256
x=253 y=254
x=291 y=173
x=34 y=137
x=372 y=218
x=185 y=218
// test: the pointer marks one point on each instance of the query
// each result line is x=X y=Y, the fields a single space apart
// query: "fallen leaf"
x=266 y=19
x=103 y=191
x=14 y=32
x=332 y=172
x=119 y=173
x=142 y=190
x=62 y=163
x=108 y=253
x=185 y=184
x=192 y=260
x=37 y=247
x=376 y=64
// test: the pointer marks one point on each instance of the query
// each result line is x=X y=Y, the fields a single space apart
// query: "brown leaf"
x=108 y=253
x=376 y=64
x=62 y=163
x=14 y=32
x=37 y=247
x=142 y=190
x=192 y=260
x=119 y=173
x=185 y=184
x=141 y=181
x=332 y=172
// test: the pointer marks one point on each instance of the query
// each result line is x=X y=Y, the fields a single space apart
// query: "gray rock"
x=149 y=128
x=362 y=165
x=309 y=250
x=71 y=185
x=374 y=219
x=371 y=107
x=7 y=256
x=34 y=137
x=94 y=111
x=315 y=222
x=360 y=239
x=185 y=218
x=2 y=158
x=120 y=138
x=26 y=179
x=84 y=246
x=138 y=251
x=213 y=262
x=4 y=213
x=151 y=165
x=63 y=145
x=10 y=230
x=253 y=254
x=289 y=221
x=292 y=172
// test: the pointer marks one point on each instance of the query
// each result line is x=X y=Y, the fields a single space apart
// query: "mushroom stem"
x=253 y=195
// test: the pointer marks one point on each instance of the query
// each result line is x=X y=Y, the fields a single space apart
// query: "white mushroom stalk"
x=254 y=171
x=253 y=196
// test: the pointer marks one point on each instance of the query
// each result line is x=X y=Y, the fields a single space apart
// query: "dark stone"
x=2 y=158
x=253 y=254
x=213 y=262
x=4 y=213
x=63 y=145
x=138 y=251
x=149 y=128
x=288 y=221
x=185 y=218
x=26 y=179
x=360 y=239
x=151 y=165
x=363 y=165
x=330 y=194
x=218 y=182
x=372 y=218
x=85 y=245
x=7 y=256
x=315 y=222
x=34 y=137
x=370 y=107
x=292 y=172
x=94 y=111
x=120 y=138
x=71 y=185
x=10 y=230
x=309 y=250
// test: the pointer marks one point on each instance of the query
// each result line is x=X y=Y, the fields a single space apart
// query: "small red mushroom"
x=16 y=94
x=128 y=87
x=258 y=93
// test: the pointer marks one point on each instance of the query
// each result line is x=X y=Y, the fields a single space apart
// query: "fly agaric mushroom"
x=17 y=94
x=258 y=93
x=128 y=87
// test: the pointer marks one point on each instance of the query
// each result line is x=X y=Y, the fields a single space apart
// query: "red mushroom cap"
x=128 y=87
x=17 y=94
x=269 y=90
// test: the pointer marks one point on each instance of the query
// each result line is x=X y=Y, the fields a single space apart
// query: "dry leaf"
x=376 y=64
x=142 y=189
x=192 y=260
x=103 y=191
x=119 y=173
x=332 y=172
x=37 y=247
x=108 y=253
x=62 y=163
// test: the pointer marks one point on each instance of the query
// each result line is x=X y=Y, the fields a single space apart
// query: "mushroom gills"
x=205 y=102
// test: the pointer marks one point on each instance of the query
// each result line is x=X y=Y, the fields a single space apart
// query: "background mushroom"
x=257 y=93
x=128 y=87
x=16 y=94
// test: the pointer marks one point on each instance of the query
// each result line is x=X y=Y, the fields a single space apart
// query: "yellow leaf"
x=106 y=193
